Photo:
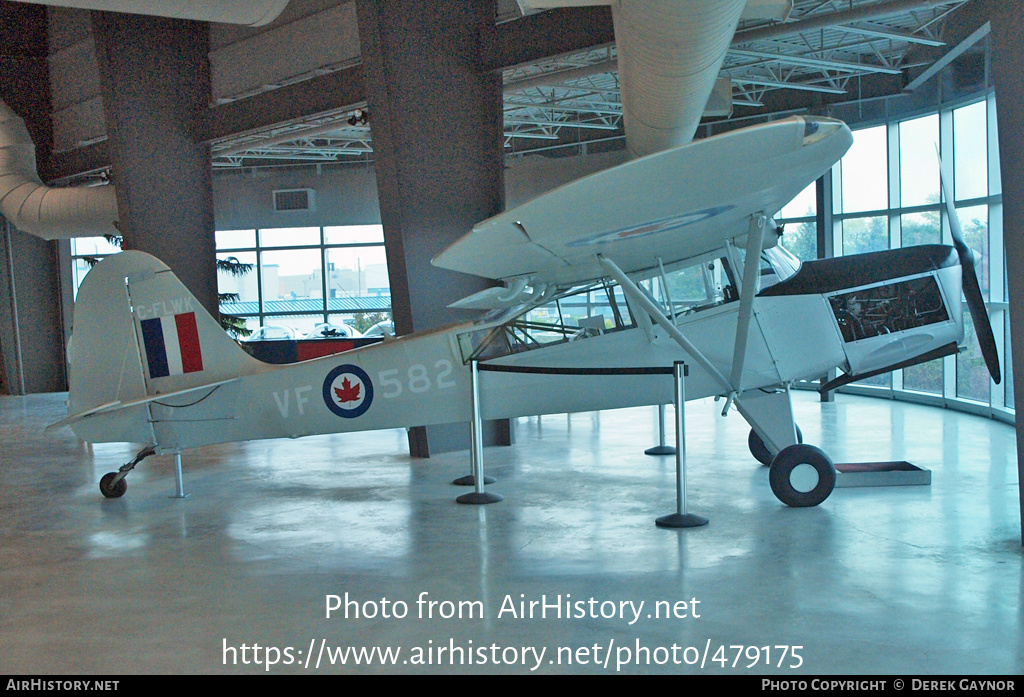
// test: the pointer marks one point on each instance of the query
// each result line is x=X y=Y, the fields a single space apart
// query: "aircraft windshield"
x=782 y=261
x=777 y=264
x=579 y=314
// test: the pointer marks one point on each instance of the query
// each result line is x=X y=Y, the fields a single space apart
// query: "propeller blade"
x=970 y=284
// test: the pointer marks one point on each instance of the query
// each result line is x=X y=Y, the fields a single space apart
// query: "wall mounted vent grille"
x=290 y=200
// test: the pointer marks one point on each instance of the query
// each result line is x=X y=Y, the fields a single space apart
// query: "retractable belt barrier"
x=680 y=519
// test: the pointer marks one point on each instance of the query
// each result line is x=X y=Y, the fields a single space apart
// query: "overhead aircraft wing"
x=671 y=205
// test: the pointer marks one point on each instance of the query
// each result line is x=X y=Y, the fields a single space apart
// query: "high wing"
x=671 y=205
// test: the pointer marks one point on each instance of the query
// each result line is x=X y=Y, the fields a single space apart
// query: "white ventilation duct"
x=40 y=210
x=53 y=213
x=251 y=12
x=670 y=53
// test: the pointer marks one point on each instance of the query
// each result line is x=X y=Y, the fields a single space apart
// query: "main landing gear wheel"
x=113 y=490
x=802 y=475
x=760 y=451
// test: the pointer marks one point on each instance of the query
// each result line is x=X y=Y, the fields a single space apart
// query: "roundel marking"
x=348 y=391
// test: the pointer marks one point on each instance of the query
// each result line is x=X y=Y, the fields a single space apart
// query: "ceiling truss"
x=572 y=98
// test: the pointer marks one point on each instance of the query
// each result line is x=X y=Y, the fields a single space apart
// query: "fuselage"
x=424 y=378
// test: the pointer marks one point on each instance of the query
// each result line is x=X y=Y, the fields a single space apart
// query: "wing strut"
x=751 y=268
x=637 y=295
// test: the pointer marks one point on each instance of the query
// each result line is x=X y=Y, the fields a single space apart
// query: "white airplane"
x=680 y=240
x=689 y=263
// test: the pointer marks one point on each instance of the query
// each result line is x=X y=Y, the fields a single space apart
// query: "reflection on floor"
x=912 y=580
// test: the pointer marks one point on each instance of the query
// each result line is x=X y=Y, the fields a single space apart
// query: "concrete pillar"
x=24 y=71
x=436 y=122
x=31 y=330
x=1007 y=59
x=31 y=333
x=155 y=79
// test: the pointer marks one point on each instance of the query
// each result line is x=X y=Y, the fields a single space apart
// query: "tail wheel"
x=110 y=489
x=760 y=451
x=802 y=475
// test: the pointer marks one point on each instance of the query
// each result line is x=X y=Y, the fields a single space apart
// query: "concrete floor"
x=906 y=580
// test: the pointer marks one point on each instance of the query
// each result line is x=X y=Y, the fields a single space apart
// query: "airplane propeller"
x=970 y=285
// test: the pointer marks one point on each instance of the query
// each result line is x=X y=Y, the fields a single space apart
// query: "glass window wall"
x=290 y=277
x=800 y=227
x=865 y=172
x=86 y=252
x=304 y=277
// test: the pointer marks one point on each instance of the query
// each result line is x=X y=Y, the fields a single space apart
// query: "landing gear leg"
x=113 y=484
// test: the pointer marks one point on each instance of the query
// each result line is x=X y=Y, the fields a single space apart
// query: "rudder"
x=139 y=332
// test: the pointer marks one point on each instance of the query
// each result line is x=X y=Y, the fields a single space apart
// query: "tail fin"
x=139 y=332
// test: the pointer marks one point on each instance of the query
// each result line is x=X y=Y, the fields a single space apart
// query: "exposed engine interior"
x=888 y=308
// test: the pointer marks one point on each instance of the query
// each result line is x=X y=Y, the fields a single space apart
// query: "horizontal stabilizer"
x=120 y=406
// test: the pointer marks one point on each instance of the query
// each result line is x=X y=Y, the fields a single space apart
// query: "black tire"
x=760 y=451
x=787 y=461
x=111 y=490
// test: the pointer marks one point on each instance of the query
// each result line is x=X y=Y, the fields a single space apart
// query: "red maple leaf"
x=348 y=392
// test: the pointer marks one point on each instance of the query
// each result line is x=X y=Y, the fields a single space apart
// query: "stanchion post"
x=476 y=443
x=475 y=432
x=661 y=448
x=680 y=519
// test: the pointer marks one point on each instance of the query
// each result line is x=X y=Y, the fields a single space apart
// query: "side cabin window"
x=693 y=287
x=576 y=314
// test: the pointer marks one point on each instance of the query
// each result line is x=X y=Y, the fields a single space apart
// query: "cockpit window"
x=693 y=288
x=578 y=314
